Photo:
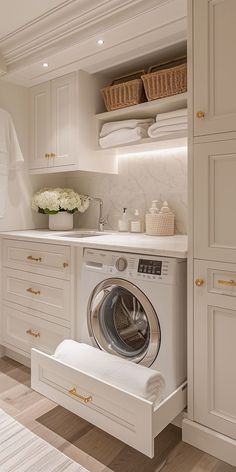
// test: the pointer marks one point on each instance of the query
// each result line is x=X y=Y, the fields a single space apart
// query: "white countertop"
x=171 y=246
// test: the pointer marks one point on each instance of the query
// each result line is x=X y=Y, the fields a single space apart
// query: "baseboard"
x=208 y=440
x=17 y=357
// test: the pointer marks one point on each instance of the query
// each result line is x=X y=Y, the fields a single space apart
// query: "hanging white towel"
x=10 y=155
x=134 y=378
x=123 y=136
x=109 y=127
x=172 y=114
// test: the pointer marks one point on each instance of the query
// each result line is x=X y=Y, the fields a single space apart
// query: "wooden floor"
x=91 y=447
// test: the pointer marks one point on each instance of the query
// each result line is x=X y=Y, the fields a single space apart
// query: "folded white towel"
x=108 y=128
x=124 y=136
x=172 y=121
x=172 y=114
x=155 y=130
x=133 y=378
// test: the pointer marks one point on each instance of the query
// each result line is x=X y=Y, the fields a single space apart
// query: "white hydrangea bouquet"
x=51 y=201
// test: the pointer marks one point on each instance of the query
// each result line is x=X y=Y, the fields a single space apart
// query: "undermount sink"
x=89 y=234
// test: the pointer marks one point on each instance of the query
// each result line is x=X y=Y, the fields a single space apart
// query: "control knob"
x=121 y=264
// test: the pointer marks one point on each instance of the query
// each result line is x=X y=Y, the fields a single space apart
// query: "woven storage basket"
x=160 y=224
x=124 y=92
x=168 y=80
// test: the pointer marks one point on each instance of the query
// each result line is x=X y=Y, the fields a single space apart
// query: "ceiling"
x=64 y=34
x=25 y=11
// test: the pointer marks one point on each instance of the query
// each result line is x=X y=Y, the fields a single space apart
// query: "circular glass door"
x=122 y=321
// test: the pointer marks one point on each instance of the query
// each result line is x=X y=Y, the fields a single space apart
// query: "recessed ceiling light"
x=100 y=42
x=45 y=64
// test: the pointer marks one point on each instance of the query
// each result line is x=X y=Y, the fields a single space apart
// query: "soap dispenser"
x=123 y=223
x=152 y=219
x=136 y=223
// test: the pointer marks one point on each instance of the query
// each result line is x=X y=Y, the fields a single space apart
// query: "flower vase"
x=62 y=221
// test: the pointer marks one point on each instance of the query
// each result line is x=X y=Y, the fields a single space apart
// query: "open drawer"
x=132 y=419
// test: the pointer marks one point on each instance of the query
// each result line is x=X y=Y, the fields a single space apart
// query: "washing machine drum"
x=122 y=321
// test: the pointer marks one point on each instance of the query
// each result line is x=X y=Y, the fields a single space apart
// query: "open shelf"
x=146 y=109
x=149 y=144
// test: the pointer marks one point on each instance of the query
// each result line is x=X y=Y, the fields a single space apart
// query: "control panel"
x=148 y=266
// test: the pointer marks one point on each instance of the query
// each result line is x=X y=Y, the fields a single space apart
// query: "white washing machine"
x=134 y=306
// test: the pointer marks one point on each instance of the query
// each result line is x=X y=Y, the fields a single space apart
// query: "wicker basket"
x=168 y=79
x=160 y=224
x=124 y=92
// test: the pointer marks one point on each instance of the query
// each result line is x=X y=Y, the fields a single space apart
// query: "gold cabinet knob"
x=52 y=154
x=65 y=265
x=200 y=114
x=33 y=332
x=199 y=282
x=47 y=155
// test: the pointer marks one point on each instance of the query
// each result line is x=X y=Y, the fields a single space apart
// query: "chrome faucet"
x=102 y=221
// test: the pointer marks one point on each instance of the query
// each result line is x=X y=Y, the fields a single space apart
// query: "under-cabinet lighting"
x=45 y=64
x=100 y=42
x=154 y=152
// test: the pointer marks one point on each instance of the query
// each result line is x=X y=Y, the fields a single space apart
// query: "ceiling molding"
x=62 y=26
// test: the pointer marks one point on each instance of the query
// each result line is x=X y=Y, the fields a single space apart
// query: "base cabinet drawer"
x=38 y=292
x=130 y=418
x=46 y=259
x=24 y=331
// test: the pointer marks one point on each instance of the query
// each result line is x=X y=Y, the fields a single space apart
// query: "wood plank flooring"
x=95 y=450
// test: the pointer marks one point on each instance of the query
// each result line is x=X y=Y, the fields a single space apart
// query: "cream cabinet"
x=215 y=347
x=37 y=295
x=214 y=66
x=214 y=201
x=53 y=123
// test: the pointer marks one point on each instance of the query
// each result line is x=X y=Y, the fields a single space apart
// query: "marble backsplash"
x=141 y=179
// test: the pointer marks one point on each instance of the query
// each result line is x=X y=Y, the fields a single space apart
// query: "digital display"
x=149 y=267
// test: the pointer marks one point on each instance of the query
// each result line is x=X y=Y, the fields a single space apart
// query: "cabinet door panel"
x=40 y=126
x=214 y=201
x=214 y=353
x=214 y=66
x=63 y=120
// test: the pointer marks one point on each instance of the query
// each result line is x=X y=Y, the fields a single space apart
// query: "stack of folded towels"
x=133 y=378
x=169 y=123
x=123 y=132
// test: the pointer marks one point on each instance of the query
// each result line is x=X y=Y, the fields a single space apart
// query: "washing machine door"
x=122 y=321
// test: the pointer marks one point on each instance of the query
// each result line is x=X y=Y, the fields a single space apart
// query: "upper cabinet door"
x=214 y=201
x=40 y=126
x=214 y=66
x=63 y=102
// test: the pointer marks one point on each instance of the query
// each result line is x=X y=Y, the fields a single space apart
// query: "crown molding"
x=62 y=26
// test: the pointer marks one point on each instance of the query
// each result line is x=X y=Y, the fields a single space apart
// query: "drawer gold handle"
x=230 y=283
x=200 y=114
x=34 y=292
x=80 y=397
x=36 y=259
x=199 y=282
x=47 y=155
x=65 y=264
x=33 y=332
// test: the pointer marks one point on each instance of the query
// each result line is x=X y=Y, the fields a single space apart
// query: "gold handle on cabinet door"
x=65 y=265
x=47 y=155
x=34 y=292
x=200 y=114
x=199 y=282
x=36 y=259
x=33 y=332
x=230 y=283
x=52 y=154
x=80 y=397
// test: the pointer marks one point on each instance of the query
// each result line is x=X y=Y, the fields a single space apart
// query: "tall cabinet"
x=211 y=425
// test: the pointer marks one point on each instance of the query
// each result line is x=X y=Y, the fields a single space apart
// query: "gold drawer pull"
x=80 y=397
x=34 y=292
x=36 y=259
x=65 y=264
x=199 y=282
x=200 y=115
x=52 y=154
x=47 y=155
x=33 y=332
x=230 y=283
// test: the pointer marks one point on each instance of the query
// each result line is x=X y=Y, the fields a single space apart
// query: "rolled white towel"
x=172 y=121
x=172 y=114
x=133 y=378
x=155 y=130
x=109 y=127
x=123 y=136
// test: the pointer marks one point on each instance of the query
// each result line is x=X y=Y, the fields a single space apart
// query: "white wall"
x=15 y=99
x=141 y=179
